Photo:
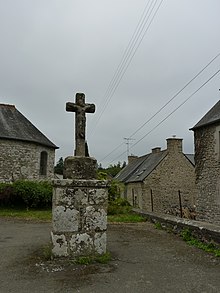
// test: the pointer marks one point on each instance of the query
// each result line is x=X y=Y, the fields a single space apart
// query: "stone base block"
x=79 y=217
x=80 y=168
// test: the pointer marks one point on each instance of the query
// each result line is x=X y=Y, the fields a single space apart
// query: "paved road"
x=144 y=260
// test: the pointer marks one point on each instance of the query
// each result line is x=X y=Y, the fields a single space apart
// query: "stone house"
x=207 y=162
x=25 y=153
x=162 y=181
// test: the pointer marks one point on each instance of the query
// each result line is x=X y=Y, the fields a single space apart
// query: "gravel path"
x=143 y=260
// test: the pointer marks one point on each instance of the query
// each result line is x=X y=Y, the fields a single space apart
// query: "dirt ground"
x=144 y=259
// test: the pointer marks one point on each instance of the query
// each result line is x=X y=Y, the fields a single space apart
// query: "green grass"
x=158 y=226
x=126 y=218
x=46 y=215
x=87 y=260
x=187 y=236
x=42 y=215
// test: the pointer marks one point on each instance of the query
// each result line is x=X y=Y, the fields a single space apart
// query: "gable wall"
x=21 y=160
x=159 y=191
x=207 y=158
x=175 y=173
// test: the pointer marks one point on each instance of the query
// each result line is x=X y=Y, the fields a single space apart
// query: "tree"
x=112 y=170
x=58 y=169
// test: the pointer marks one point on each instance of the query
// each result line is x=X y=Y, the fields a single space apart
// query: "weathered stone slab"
x=59 y=245
x=79 y=217
x=80 y=168
x=65 y=219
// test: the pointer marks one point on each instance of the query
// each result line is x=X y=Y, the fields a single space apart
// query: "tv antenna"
x=128 y=143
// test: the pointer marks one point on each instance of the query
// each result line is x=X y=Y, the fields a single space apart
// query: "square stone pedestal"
x=79 y=217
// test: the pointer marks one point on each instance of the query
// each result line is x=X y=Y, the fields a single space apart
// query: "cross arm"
x=90 y=108
x=71 y=107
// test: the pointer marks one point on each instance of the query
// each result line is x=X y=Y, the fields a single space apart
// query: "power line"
x=115 y=149
x=178 y=106
x=188 y=83
x=129 y=55
x=167 y=103
x=170 y=113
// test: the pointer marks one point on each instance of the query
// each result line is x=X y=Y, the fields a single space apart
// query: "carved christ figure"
x=80 y=108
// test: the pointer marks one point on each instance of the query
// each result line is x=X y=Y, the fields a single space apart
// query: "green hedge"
x=28 y=194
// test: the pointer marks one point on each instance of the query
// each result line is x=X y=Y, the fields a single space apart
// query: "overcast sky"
x=52 y=49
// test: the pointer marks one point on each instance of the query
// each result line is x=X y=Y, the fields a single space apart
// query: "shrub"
x=6 y=195
x=113 y=190
x=29 y=194
x=118 y=206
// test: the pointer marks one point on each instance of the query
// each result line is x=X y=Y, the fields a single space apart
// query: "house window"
x=43 y=163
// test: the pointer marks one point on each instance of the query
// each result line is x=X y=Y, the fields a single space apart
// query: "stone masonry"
x=79 y=217
x=207 y=173
x=21 y=160
x=168 y=185
x=207 y=162
x=79 y=200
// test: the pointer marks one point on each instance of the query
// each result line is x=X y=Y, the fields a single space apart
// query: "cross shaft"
x=80 y=108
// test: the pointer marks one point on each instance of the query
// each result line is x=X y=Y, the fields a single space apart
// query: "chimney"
x=156 y=150
x=132 y=158
x=7 y=106
x=174 y=145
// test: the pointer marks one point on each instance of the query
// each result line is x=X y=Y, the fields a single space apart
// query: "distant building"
x=25 y=153
x=207 y=162
x=162 y=181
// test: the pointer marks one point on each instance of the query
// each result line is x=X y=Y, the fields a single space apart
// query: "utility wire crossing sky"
x=150 y=67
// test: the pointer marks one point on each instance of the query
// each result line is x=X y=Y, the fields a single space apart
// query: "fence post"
x=180 y=202
x=152 y=201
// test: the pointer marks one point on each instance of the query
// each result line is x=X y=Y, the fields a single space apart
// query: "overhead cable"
x=169 y=114
x=166 y=104
x=129 y=54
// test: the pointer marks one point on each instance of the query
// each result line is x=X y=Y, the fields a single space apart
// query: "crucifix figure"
x=80 y=108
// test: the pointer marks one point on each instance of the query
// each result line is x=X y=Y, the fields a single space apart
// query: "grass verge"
x=126 y=218
x=42 y=215
x=187 y=236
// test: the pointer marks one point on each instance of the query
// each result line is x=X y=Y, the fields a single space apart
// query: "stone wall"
x=208 y=173
x=21 y=160
x=206 y=232
x=79 y=217
x=170 y=186
x=134 y=194
x=171 y=182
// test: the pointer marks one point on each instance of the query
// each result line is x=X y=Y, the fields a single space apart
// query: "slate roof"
x=212 y=116
x=13 y=125
x=141 y=167
x=191 y=158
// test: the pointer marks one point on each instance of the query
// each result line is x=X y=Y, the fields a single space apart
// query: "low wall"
x=201 y=230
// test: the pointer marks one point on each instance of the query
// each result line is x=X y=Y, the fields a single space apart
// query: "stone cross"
x=80 y=108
